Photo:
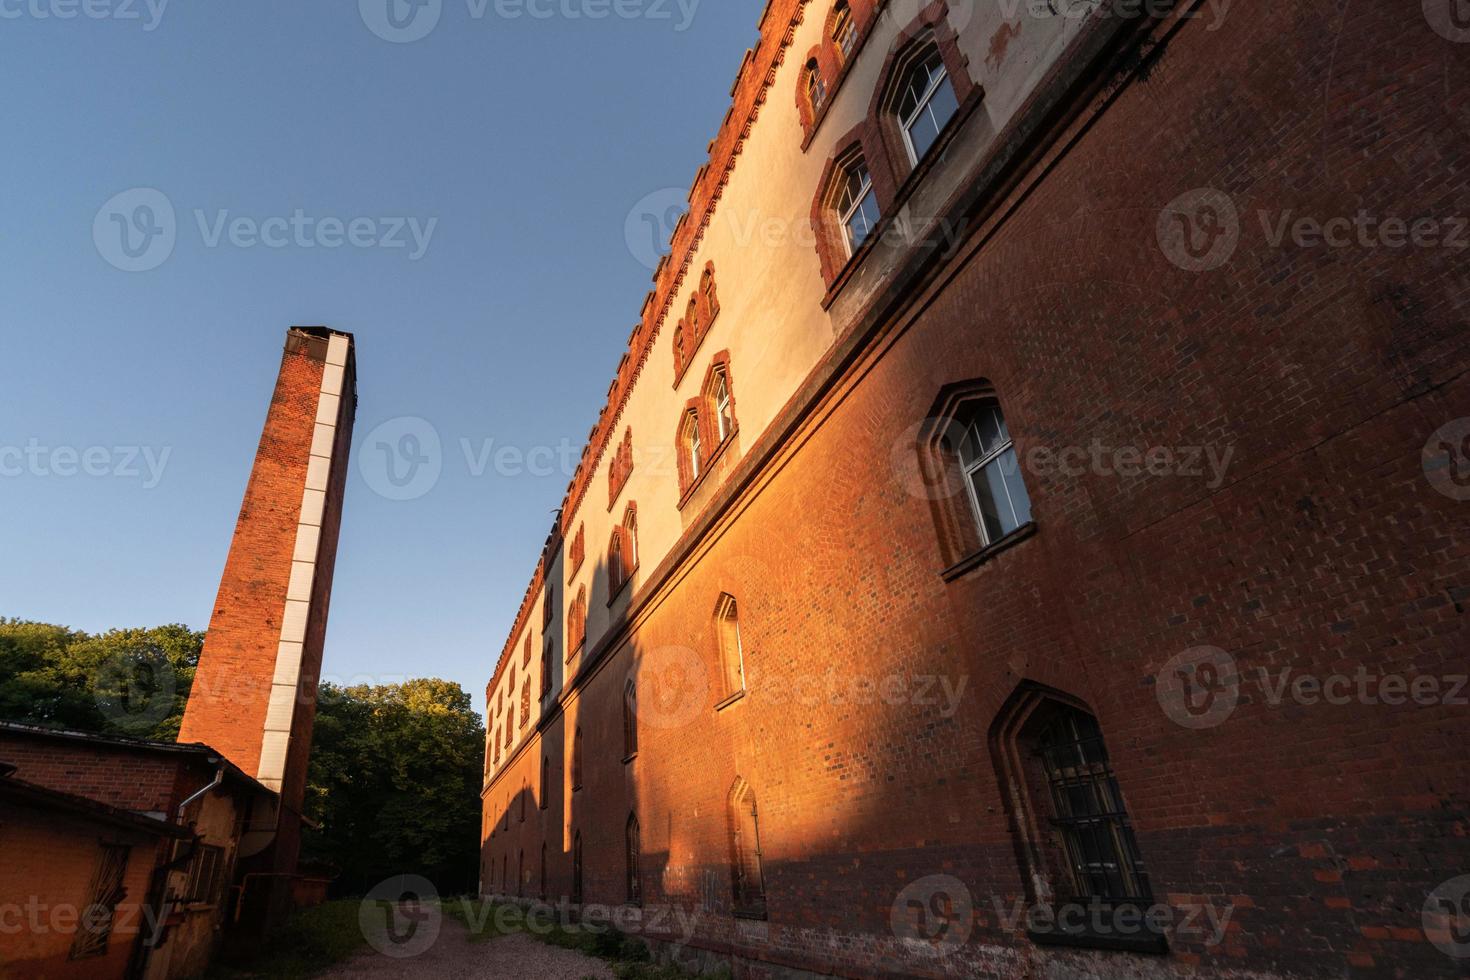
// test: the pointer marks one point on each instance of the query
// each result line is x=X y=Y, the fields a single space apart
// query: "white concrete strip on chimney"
x=296 y=613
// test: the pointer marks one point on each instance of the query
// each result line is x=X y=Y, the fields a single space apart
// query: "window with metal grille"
x=747 y=877
x=1088 y=812
x=104 y=894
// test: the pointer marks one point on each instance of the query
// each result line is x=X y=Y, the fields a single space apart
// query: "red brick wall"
x=1325 y=549
x=130 y=780
x=46 y=867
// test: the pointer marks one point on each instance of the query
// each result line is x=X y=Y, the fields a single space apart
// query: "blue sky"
x=516 y=136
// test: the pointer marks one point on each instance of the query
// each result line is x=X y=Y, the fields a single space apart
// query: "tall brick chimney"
x=254 y=694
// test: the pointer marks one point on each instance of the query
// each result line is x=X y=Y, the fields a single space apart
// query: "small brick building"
x=1029 y=533
x=150 y=833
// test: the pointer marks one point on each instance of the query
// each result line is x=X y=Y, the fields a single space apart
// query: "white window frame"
x=907 y=124
x=692 y=427
x=723 y=406
x=844 y=32
x=981 y=463
x=845 y=217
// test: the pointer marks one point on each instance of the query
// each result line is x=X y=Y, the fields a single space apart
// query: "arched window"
x=505 y=873
x=695 y=325
x=546 y=661
x=732 y=653
x=548 y=604
x=630 y=539
x=977 y=445
x=577 y=760
x=680 y=352
x=526 y=655
x=691 y=449
x=707 y=290
x=816 y=86
x=1066 y=805
x=855 y=203
x=617 y=572
x=577 y=869
x=630 y=720
x=721 y=404
x=541 y=893
x=844 y=29
x=521 y=873
x=525 y=702
x=577 y=622
x=545 y=781
x=525 y=793
x=634 y=848
x=924 y=99
x=746 y=876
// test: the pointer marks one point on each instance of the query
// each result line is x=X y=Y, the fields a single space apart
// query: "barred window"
x=103 y=896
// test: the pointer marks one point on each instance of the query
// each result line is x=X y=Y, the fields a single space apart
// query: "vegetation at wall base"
x=311 y=940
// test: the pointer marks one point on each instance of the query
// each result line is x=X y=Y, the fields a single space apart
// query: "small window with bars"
x=205 y=871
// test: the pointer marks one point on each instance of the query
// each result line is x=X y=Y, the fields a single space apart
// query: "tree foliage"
x=394 y=783
x=131 y=682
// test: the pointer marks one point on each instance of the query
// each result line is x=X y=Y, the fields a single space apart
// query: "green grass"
x=310 y=941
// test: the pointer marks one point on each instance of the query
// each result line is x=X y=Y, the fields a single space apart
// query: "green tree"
x=394 y=784
x=131 y=682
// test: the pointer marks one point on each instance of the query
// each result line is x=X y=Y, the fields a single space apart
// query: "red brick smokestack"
x=254 y=694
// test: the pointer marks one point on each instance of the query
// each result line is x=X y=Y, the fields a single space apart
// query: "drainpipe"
x=219 y=777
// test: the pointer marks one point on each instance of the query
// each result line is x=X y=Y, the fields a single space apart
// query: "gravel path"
x=453 y=956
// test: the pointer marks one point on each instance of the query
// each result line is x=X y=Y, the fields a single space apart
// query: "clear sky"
x=516 y=136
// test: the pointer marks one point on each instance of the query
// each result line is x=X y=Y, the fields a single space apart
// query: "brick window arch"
x=548 y=659
x=970 y=471
x=1067 y=812
x=634 y=850
x=577 y=622
x=622 y=553
x=699 y=317
x=525 y=702
x=732 y=650
x=847 y=25
x=719 y=401
x=747 y=878
x=855 y=191
x=690 y=446
x=842 y=30
x=927 y=50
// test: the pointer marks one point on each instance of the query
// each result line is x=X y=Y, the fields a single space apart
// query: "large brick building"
x=1029 y=534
